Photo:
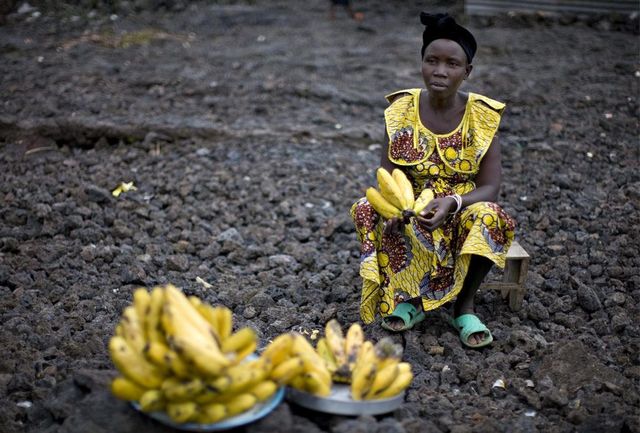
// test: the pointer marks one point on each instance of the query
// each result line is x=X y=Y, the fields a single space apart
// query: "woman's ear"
x=469 y=68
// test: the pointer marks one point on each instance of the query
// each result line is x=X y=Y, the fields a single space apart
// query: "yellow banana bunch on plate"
x=179 y=355
x=373 y=371
x=395 y=197
x=296 y=363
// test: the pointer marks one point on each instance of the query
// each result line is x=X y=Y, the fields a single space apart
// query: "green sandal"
x=468 y=324
x=409 y=315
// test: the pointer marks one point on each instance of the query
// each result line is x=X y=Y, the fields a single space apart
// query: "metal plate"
x=258 y=411
x=339 y=402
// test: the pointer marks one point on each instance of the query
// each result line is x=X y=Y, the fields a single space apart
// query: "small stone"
x=97 y=194
x=587 y=298
x=249 y=313
x=177 y=263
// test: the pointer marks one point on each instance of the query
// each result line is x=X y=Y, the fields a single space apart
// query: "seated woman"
x=445 y=142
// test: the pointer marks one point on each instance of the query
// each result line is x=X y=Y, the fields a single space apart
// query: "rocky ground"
x=249 y=128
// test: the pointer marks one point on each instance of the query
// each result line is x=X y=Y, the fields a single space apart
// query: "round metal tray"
x=258 y=411
x=339 y=402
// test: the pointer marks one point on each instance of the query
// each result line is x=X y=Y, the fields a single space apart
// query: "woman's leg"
x=479 y=267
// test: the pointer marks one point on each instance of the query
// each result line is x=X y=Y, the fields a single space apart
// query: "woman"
x=445 y=142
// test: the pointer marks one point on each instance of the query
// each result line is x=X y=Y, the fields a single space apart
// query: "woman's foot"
x=405 y=316
x=476 y=338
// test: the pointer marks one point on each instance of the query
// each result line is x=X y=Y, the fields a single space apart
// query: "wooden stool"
x=515 y=274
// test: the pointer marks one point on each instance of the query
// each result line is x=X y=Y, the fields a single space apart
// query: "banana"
x=390 y=189
x=133 y=365
x=383 y=378
x=193 y=341
x=239 y=340
x=225 y=321
x=405 y=187
x=208 y=313
x=176 y=390
x=316 y=384
x=240 y=403
x=325 y=353
x=212 y=413
x=165 y=359
x=353 y=344
x=423 y=200
x=152 y=328
x=364 y=372
x=401 y=382
x=126 y=389
x=242 y=376
x=141 y=301
x=287 y=370
x=335 y=340
x=180 y=304
x=182 y=412
x=152 y=401
x=279 y=349
x=381 y=205
x=132 y=329
x=263 y=390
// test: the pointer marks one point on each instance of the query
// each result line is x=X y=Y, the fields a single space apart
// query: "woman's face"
x=444 y=67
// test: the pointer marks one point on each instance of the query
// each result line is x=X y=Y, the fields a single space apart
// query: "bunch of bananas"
x=179 y=355
x=395 y=198
x=296 y=364
x=374 y=371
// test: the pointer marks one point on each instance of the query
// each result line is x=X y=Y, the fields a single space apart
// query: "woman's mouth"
x=438 y=85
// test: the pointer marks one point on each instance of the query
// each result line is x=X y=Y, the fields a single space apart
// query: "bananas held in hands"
x=179 y=355
x=395 y=197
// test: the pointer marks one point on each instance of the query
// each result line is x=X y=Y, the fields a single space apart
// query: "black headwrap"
x=443 y=26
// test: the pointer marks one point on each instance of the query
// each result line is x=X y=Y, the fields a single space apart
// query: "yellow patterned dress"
x=417 y=262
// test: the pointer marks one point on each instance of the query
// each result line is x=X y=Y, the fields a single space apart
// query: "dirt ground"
x=249 y=129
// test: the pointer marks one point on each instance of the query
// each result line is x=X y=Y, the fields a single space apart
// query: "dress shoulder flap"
x=400 y=119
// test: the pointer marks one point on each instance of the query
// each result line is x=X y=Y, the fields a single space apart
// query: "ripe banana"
x=335 y=339
x=390 y=189
x=325 y=353
x=133 y=365
x=165 y=359
x=279 y=349
x=126 y=389
x=381 y=205
x=141 y=301
x=182 y=412
x=194 y=341
x=176 y=390
x=364 y=372
x=287 y=370
x=405 y=186
x=132 y=329
x=353 y=344
x=212 y=413
x=152 y=326
x=239 y=341
x=401 y=382
x=152 y=401
x=179 y=303
x=383 y=378
x=224 y=318
x=316 y=384
x=240 y=403
x=263 y=390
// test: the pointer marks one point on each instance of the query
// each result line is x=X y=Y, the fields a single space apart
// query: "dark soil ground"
x=249 y=129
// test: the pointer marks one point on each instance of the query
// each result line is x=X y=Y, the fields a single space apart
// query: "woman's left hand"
x=436 y=212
